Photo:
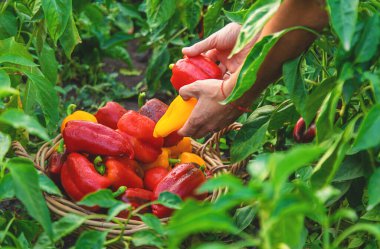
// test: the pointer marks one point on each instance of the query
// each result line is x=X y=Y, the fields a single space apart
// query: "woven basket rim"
x=63 y=206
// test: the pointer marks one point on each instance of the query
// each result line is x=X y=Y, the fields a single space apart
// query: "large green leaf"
x=91 y=240
x=18 y=119
x=8 y=24
x=6 y=187
x=14 y=52
x=258 y=15
x=159 y=12
x=369 y=40
x=251 y=66
x=46 y=97
x=157 y=66
x=190 y=12
x=25 y=182
x=70 y=37
x=210 y=19
x=5 y=85
x=5 y=143
x=368 y=131
x=57 y=15
x=343 y=16
x=49 y=65
x=147 y=238
x=373 y=190
x=47 y=185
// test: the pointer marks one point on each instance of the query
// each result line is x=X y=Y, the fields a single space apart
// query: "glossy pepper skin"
x=131 y=164
x=139 y=130
x=110 y=114
x=78 y=115
x=190 y=69
x=175 y=117
x=153 y=176
x=97 y=139
x=183 y=180
x=55 y=165
x=183 y=146
x=161 y=161
x=79 y=177
x=302 y=134
x=121 y=175
x=187 y=157
x=136 y=197
x=155 y=109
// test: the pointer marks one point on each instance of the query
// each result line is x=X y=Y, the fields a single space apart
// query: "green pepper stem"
x=99 y=166
x=174 y=161
x=121 y=190
x=61 y=147
x=71 y=108
x=141 y=99
x=171 y=66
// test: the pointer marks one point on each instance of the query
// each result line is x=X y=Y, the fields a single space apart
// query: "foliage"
x=321 y=195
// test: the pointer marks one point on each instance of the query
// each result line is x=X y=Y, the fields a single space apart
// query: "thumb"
x=189 y=91
x=200 y=47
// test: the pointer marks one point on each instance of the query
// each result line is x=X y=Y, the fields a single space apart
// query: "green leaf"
x=159 y=12
x=6 y=187
x=295 y=84
x=343 y=17
x=153 y=222
x=8 y=24
x=248 y=74
x=49 y=64
x=70 y=37
x=249 y=138
x=14 y=52
x=169 y=200
x=5 y=85
x=367 y=135
x=236 y=16
x=46 y=96
x=66 y=225
x=285 y=113
x=47 y=185
x=5 y=144
x=157 y=66
x=258 y=15
x=372 y=215
x=244 y=216
x=190 y=12
x=221 y=181
x=25 y=182
x=18 y=119
x=210 y=19
x=373 y=189
x=369 y=40
x=91 y=240
x=352 y=167
x=102 y=198
x=57 y=15
x=115 y=210
x=147 y=238
x=374 y=79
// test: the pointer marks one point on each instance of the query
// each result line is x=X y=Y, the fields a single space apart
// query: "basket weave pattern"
x=62 y=206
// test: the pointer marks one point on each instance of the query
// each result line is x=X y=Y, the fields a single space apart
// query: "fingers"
x=201 y=47
x=189 y=91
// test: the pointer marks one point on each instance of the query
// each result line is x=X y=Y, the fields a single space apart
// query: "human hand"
x=218 y=47
x=208 y=115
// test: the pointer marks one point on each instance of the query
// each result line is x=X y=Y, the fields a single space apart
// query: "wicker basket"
x=61 y=206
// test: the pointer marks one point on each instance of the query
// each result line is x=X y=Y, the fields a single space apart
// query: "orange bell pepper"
x=161 y=161
x=175 y=117
x=187 y=157
x=78 y=115
x=183 y=146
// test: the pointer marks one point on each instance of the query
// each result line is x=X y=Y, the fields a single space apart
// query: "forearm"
x=309 y=13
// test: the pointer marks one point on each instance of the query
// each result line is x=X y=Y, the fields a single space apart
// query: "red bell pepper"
x=302 y=134
x=56 y=162
x=183 y=180
x=138 y=129
x=190 y=69
x=155 y=109
x=93 y=138
x=136 y=197
x=153 y=176
x=120 y=174
x=110 y=114
x=79 y=177
x=131 y=164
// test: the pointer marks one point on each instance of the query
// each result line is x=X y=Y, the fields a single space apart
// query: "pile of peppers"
x=115 y=147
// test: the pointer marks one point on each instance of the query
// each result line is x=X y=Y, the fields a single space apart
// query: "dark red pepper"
x=120 y=174
x=138 y=129
x=183 y=180
x=79 y=177
x=97 y=139
x=190 y=69
x=136 y=197
x=303 y=135
x=56 y=162
x=153 y=176
x=110 y=114
x=155 y=109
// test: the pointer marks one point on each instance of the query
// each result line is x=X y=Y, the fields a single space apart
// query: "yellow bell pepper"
x=183 y=146
x=78 y=115
x=161 y=161
x=175 y=117
x=187 y=157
